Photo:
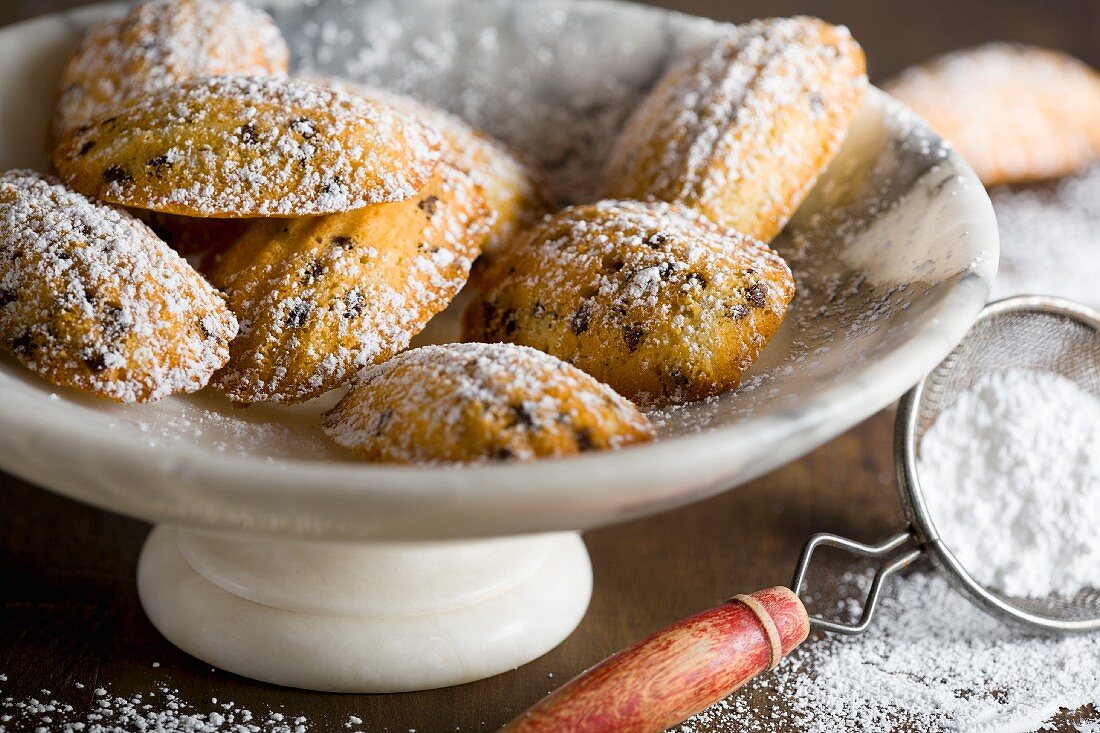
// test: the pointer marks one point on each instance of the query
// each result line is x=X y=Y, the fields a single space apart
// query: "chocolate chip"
x=115 y=324
x=342 y=242
x=633 y=336
x=304 y=127
x=353 y=304
x=737 y=311
x=313 y=271
x=23 y=345
x=90 y=296
x=522 y=415
x=6 y=296
x=332 y=185
x=817 y=103
x=508 y=321
x=84 y=148
x=579 y=321
x=677 y=377
x=298 y=314
x=757 y=295
x=159 y=164
x=117 y=174
x=656 y=240
x=664 y=270
x=694 y=277
x=503 y=453
x=380 y=422
x=488 y=314
x=429 y=205
x=96 y=362
x=538 y=310
x=247 y=134
x=584 y=439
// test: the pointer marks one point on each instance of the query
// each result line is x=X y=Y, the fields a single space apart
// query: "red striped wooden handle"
x=677 y=671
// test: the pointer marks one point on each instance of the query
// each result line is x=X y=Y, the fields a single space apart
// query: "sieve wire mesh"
x=1031 y=336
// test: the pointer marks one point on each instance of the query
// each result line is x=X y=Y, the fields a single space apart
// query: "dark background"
x=68 y=604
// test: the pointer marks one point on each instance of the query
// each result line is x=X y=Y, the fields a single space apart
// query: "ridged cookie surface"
x=159 y=43
x=517 y=193
x=321 y=297
x=461 y=403
x=235 y=146
x=651 y=298
x=741 y=128
x=91 y=299
x=1015 y=113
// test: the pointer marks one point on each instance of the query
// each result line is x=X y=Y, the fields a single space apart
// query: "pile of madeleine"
x=211 y=220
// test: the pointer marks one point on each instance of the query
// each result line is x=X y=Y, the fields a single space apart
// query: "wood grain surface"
x=68 y=605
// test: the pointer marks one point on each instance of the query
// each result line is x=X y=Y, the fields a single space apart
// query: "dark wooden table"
x=68 y=606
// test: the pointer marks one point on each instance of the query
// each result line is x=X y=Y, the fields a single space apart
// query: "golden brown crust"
x=651 y=298
x=462 y=403
x=741 y=129
x=91 y=299
x=1015 y=113
x=516 y=190
x=322 y=297
x=159 y=43
x=234 y=146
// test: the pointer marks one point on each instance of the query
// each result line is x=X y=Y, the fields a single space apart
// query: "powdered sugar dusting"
x=478 y=402
x=159 y=43
x=251 y=146
x=90 y=298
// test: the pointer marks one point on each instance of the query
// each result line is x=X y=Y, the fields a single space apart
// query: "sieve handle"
x=676 y=672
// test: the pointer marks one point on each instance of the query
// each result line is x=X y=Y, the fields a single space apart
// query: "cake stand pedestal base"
x=385 y=617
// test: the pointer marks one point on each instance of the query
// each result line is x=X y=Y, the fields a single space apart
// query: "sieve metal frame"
x=913 y=497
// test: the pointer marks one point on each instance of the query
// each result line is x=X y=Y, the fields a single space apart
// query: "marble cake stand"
x=279 y=557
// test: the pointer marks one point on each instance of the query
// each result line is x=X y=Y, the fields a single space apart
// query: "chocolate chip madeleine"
x=234 y=146
x=740 y=129
x=159 y=43
x=462 y=403
x=652 y=298
x=320 y=298
x=91 y=299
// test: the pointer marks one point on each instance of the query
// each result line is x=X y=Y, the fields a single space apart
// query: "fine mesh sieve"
x=701 y=659
x=1028 y=332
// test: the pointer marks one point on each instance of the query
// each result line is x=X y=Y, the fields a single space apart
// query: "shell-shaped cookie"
x=159 y=43
x=516 y=190
x=321 y=297
x=1015 y=113
x=234 y=146
x=91 y=299
x=741 y=128
x=651 y=298
x=462 y=403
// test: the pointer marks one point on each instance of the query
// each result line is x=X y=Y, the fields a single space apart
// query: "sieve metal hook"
x=898 y=551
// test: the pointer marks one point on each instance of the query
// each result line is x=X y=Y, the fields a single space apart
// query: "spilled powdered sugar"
x=1011 y=472
x=930 y=662
x=1050 y=239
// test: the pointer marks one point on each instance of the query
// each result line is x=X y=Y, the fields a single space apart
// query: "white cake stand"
x=279 y=557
